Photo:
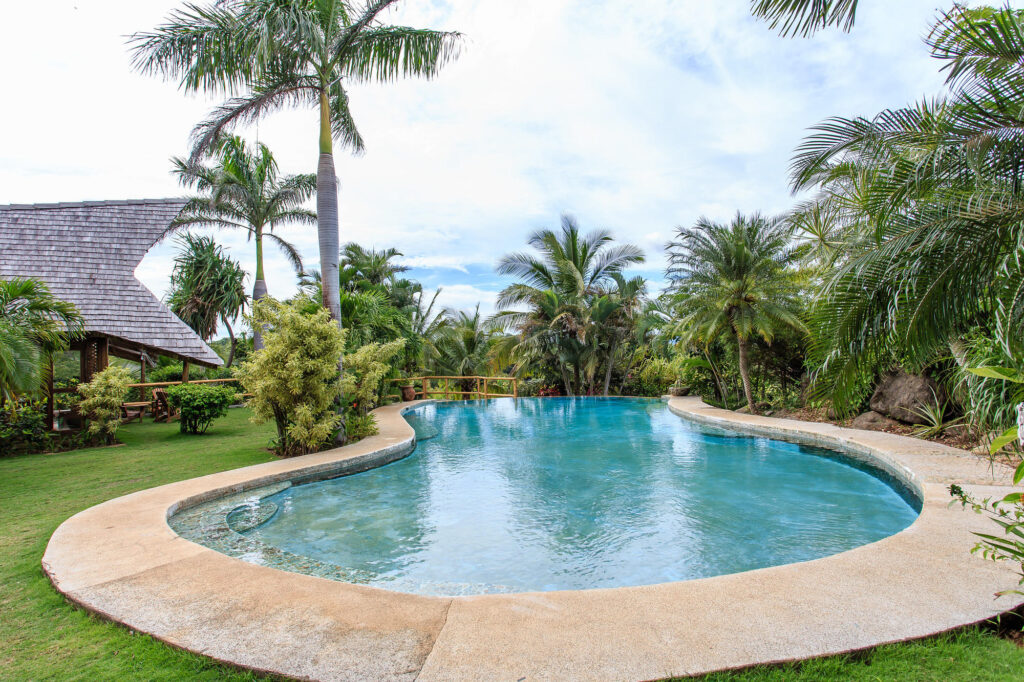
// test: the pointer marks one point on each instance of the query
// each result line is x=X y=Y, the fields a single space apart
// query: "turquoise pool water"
x=564 y=493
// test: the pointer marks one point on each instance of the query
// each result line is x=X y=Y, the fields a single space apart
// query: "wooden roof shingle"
x=87 y=254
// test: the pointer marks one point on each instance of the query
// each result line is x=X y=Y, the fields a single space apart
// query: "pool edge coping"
x=477 y=639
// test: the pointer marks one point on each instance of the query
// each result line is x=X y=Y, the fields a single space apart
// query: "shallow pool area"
x=570 y=493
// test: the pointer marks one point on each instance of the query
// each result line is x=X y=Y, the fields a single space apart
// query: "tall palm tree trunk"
x=259 y=290
x=744 y=345
x=327 y=231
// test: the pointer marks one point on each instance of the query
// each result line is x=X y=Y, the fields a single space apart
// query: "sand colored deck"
x=120 y=559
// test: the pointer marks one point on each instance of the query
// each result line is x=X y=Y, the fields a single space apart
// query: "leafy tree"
x=243 y=191
x=34 y=325
x=207 y=286
x=735 y=278
x=286 y=53
x=101 y=402
x=293 y=379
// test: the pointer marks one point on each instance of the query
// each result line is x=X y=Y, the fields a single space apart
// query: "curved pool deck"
x=121 y=560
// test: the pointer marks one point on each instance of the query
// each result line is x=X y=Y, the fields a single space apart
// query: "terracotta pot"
x=408 y=393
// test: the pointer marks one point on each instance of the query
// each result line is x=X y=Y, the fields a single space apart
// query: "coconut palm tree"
x=369 y=266
x=464 y=344
x=618 y=313
x=552 y=307
x=243 y=191
x=207 y=287
x=273 y=54
x=735 y=278
x=33 y=326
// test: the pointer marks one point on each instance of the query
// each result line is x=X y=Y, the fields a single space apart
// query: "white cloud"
x=634 y=116
x=464 y=297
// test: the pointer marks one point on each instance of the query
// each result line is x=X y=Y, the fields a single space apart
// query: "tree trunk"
x=565 y=379
x=744 y=345
x=608 y=370
x=576 y=378
x=259 y=290
x=234 y=342
x=327 y=231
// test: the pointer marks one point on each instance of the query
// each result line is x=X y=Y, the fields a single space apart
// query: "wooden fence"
x=482 y=386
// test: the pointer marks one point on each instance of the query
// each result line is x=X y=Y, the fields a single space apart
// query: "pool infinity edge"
x=121 y=560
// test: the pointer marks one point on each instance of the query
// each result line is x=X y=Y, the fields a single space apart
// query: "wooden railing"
x=482 y=386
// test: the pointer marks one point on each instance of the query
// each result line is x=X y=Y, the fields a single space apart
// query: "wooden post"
x=142 y=379
x=184 y=372
x=49 y=398
x=478 y=387
x=485 y=388
x=515 y=387
x=424 y=388
x=446 y=388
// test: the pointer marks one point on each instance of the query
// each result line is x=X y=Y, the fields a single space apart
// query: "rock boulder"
x=873 y=422
x=900 y=395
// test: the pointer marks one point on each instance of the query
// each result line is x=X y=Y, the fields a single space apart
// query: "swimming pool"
x=571 y=493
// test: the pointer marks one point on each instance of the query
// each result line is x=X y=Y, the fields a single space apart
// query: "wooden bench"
x=131 y=410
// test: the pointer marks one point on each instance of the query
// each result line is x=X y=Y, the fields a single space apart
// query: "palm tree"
x=464 y=345
x=207 y=287
x=33 y=326
x=735 y=278
x=933 y=199
x=243 y=191
x=286 y=53
x=804 y=17
x=369 y=266
x=618 y=313
x=559 y=291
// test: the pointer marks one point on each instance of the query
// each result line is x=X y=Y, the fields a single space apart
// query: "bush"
x=294 y=378
x=200 y=404
x=101 y=403
x=529 y=388
x=365 y=371
x=359 y=426
x=23 y=427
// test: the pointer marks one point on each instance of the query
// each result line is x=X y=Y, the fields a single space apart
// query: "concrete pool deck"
x=121 y=560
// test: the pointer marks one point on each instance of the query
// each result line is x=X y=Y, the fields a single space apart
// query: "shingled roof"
x=87 y=254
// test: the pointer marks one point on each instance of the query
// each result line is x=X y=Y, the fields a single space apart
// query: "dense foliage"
x=34 y=325
x=199 y=404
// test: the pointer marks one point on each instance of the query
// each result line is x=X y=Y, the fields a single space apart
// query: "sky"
x=633 y=117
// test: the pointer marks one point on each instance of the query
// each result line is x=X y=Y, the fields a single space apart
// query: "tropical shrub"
x=359 y=426
x=101 y=403
x=199 y=404
x=365 y=371
x=293 y=379
x=23 y=427
x=1006 y=512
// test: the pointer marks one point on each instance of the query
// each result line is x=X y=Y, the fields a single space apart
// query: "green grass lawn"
x=43 y=637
